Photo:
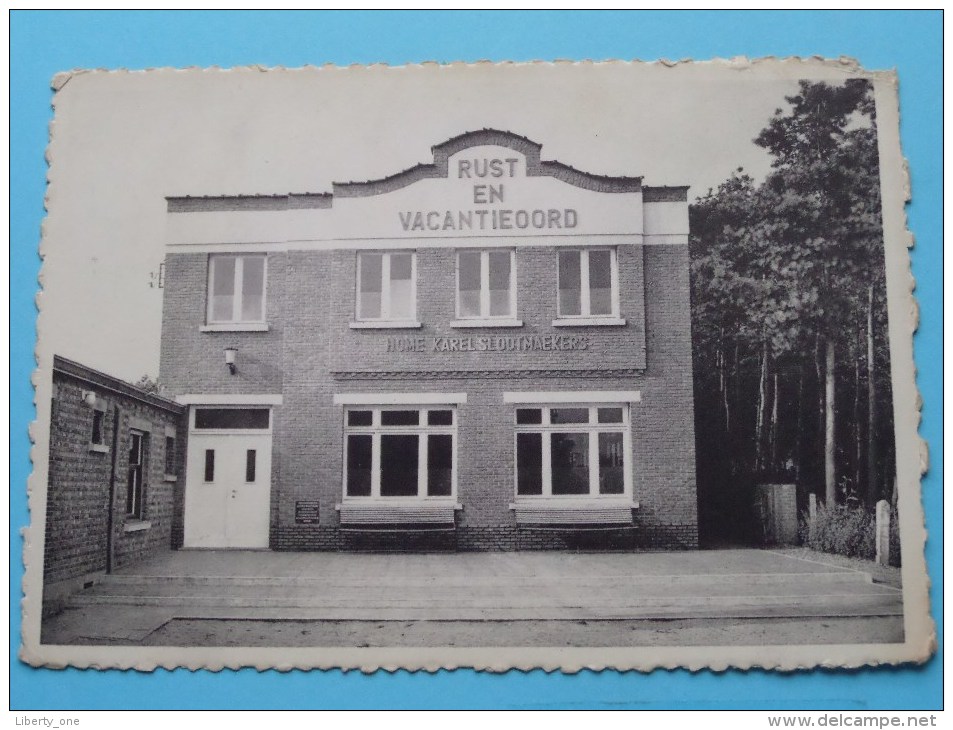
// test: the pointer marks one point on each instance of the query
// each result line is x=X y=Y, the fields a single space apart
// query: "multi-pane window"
x=386 y=286
x=486 y=284
x=588 y=283
x=572 y=451
x=399 y=452
x=135 y=479
x=236 y=289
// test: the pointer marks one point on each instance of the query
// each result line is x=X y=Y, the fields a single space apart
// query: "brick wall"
x=78 y=509
x=310 y=303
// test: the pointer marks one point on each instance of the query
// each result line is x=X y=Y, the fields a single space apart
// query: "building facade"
x=486 y=352
x=114 y=467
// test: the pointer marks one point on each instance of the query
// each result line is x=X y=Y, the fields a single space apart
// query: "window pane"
x=400 y=418
x=359 y=418
x=600 y=282
x=529 y=463
x=223 y=288
x=570 y=283
x=440 y=418
x=369 y=300
x=611 y=461
x=253 y=288
x=440 y=464
x=169 y=455
x=399 y=463
x=529 y=415
x=610 y=415
x=570 y=463
x=499 y=283
x=401 y=286
x=250 y=460
x=97 y=435
x=231 y=418
x=569 y=415
x=210 y=465
x=469 y=284
x=359 y=465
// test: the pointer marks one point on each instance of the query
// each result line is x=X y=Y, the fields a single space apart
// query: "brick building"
x=486 y=352
x=115 y=457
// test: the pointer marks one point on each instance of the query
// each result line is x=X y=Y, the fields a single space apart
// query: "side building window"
x=400 y=452
x=564 y=451
x=137 y=469
x=387 y=287
x=97 y=435
x=236 y=289
x=486 y=284
x=588 y=283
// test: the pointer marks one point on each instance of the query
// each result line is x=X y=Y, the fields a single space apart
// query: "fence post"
x=883 y=532
x=811 y=515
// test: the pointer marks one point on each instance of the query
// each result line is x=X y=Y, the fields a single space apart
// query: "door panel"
x=228 y=489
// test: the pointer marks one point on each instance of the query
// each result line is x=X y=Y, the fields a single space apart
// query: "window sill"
x=397 y=510
x=136 y=526
x=99 y=448
x=590 y=322
x=385 y=324
x=235 y=327
x=170 y=478
x=574 y=511
x=479 y=323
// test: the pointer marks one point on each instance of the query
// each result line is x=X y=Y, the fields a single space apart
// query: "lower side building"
x=113 y=488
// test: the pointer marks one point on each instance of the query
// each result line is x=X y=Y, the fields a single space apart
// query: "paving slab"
x=219 y=587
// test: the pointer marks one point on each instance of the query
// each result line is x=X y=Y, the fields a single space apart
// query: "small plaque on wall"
x=307 y=511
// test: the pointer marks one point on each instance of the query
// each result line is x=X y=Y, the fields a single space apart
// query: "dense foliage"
x=789 y=315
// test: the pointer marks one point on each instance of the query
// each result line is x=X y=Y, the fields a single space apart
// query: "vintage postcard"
x=560 y=365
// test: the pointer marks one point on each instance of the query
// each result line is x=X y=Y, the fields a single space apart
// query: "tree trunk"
x=722 y=385
x=773 y=431
x=858 y=441
x=830 y=475
x=762 y=402
x=873 y=483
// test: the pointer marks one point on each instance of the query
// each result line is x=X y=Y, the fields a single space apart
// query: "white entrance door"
x=227 y=490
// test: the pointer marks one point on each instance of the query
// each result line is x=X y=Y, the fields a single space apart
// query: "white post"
x=883 y=532
x=811 y=514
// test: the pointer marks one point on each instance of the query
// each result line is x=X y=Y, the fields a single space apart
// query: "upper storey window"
x=236 y=290
x=486 y=285
x=387 y=288
x=588 y=287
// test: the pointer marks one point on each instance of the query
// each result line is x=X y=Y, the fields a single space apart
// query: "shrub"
x=843 y=530
x=894 y=538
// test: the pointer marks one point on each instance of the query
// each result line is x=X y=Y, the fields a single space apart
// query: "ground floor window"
x=572 y=450
x=400 y=452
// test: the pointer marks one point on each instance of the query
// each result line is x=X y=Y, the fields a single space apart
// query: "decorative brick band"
x=665 y=194
x=485 y=374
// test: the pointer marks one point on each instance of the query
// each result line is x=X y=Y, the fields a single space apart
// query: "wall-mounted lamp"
x=89 y=398
x=230 y=354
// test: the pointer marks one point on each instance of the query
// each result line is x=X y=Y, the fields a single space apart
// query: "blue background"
x=44 y=42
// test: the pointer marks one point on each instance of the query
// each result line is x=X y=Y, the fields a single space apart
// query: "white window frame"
x=385 y=316
x=484 y=316
x=376 y=430
x=236 y=320
x=592 y=427
x=585 y=316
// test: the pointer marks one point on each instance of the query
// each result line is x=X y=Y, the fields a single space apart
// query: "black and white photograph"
x=545 y=365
